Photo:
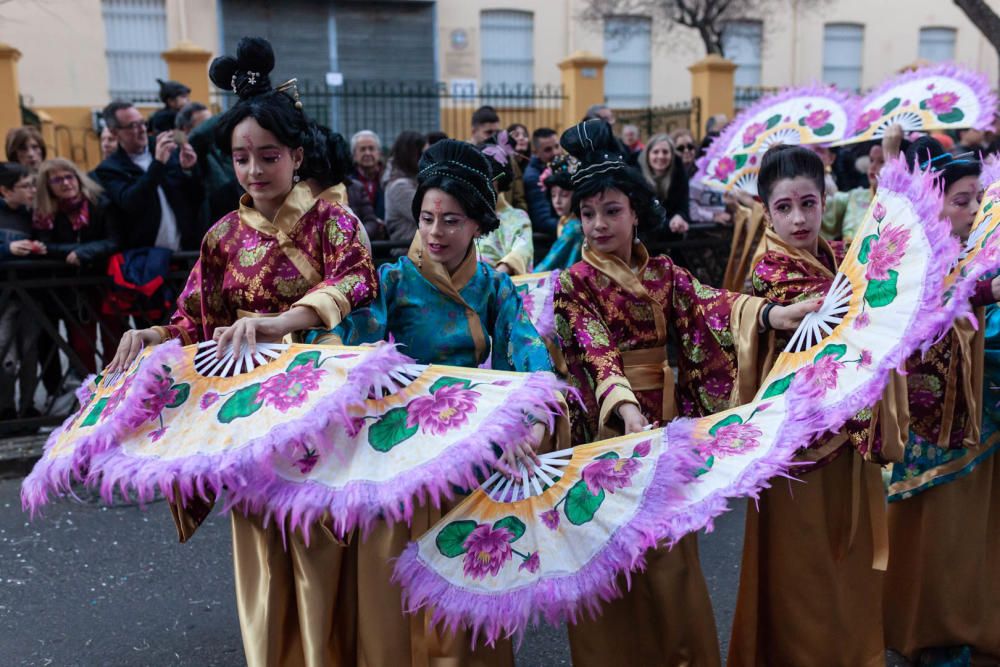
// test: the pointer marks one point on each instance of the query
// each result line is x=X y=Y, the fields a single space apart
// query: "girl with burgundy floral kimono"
x=614 y=312
x=284 y=262
x=814 y=552
x=942 y=595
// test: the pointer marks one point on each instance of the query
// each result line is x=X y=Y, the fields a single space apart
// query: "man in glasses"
x=153 y=185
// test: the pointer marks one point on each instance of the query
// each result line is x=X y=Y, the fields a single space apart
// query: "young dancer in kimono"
x=284 y=262
x=814 y=552
x=557 y=179
x=442 y=306
x=942 y=603
x=509 y=248
x=614 y=312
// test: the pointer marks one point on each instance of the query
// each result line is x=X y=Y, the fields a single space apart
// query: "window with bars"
x=628 y=50
x=506 y=54
x=135 y=36
x=741 y=42
x=937 y=44
x=843 y=52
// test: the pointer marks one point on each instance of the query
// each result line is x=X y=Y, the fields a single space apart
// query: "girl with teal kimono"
x=442 y=306
x=557 y=179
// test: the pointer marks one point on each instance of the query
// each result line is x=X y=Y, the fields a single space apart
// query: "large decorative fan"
x=352 y=432
x=938 y=97
x=537 y=291
x=551 y=544
x=814 y=115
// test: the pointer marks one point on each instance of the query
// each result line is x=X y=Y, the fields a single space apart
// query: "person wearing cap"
x=174 y=96
x=942 y=595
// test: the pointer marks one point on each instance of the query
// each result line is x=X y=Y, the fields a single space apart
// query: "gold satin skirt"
x=942 y=588
x=665 y=618
x=296 y=603
x=808 y=594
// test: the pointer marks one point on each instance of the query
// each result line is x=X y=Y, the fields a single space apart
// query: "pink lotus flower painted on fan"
x=308 y=461
x=157 y=434
x=724 y=169
x=531 y=563
x=879 y=212
x=163 y=395
x=862 y=321
x=817 y=119
x=290 y=389
x=550 y=519
x=486 y=551
x=445 y=409
x=866 y=359
x=209 y=399
x=751 y=133
x=886 y=252
x=116 y=398
x=642 y=449
x=609 y=474
x=819 y=377
x=734 y=438
x=867 y=118
x=942 y=103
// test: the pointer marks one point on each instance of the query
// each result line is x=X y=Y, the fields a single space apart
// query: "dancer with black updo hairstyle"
x=614 y=312
x=557 y=181
x=509 y=248
x=443 y=307
x=284 y=262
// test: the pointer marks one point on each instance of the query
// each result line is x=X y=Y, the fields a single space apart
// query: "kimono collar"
x=613 y=267
x=451 y=284
x=502 y=204
x=773 y=242
x=297 y=203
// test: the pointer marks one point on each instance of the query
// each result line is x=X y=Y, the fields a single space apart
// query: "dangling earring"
x=586 y=243
x=295 y=177
x=635 y=234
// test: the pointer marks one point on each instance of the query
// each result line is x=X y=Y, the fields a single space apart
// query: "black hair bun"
x=923 y=152
x=462 y=171
x=247 y=74
x=590 y=140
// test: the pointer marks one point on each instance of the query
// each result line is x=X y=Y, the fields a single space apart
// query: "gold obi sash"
x=648 y=369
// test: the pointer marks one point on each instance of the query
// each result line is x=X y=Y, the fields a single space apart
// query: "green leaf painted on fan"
x=773 y=120
x=241 y=404
x=731 y=419
x=607 y=455
x=390 y=430
x=303 y=358
x=986 y=209
x=451 y=540
x=183 y=391
x=581 y=504
x=447 y=381
x=890 y=105
x=831 y=350
x=740 y=159
x=513 y=524
x=882 y=292
x=953 y=116
x=824 y=131
x=779 y=387
x=866 y=248
x=923 y=104
x=709 y=462
x=95 y=413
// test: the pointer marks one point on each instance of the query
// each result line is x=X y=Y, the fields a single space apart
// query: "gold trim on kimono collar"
x=772 y=241
x=297 y=203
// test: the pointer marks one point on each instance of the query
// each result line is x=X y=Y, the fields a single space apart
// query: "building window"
x=135 y=36
x=507 y=49
x=843 y=46
x=741 y=43
x=937 y=44
x=628 y=51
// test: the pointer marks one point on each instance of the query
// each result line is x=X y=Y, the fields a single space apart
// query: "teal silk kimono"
x=565 y=252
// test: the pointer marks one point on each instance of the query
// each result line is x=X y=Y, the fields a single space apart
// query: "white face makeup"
x=795 y=210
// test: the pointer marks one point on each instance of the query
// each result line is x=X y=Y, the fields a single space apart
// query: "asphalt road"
x=93 y=585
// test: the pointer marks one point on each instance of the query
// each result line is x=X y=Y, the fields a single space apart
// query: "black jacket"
x=136 y=205
x=93 y=244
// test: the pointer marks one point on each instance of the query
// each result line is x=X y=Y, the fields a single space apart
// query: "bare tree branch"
x=984 y=18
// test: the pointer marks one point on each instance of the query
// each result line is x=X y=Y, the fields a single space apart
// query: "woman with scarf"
x=285 y=261
x=942 y=596
x=614 y=313
x=814 y=553
x=443 y=306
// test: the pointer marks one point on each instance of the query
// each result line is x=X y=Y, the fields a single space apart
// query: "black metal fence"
x=71 y=324
x=654 y=120
x=389 y=107
x=744 y=96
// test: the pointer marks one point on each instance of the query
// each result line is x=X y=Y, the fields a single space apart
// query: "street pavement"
x=88 y=584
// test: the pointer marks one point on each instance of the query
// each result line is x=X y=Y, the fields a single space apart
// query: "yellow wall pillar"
x=10 y=105
x=712 y=82
x=583 y=85
x=187 y=63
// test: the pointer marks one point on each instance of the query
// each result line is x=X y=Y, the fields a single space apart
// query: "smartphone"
x=180 y=138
